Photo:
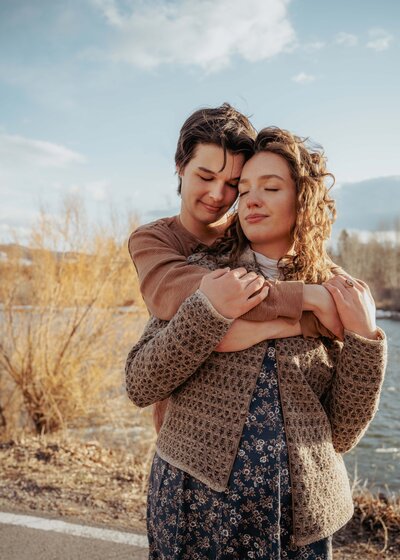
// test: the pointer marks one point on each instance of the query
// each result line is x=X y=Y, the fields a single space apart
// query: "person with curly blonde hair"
x=248 y=460
x=315 y=209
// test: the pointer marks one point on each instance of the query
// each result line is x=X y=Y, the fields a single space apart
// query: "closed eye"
x=243 y=193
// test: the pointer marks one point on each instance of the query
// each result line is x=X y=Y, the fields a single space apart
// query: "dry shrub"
x=379 y=515
x=62 y=353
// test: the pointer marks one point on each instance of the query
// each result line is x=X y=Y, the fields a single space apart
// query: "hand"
x=233 y=292
x=244 y=334
x=318 y=300
x=159 y=410
x=355 y=305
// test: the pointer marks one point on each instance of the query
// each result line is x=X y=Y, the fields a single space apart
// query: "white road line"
x=71 y=529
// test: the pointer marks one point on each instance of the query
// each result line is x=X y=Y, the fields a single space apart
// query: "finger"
x=346 y=278
x=345 y=284
x=255 y=300
x=254 y=286
x=335 y=281
x=337 y=293
x=364 y=285
x=239 y=272
x=250 y=277
x=219 y=272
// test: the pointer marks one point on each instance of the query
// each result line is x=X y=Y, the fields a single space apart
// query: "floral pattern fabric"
x=252 y=518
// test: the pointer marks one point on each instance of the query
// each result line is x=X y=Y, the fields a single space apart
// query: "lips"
x=213 y=209
x=254 y=218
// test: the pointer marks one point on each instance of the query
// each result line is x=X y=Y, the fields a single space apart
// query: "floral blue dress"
x=252 y=518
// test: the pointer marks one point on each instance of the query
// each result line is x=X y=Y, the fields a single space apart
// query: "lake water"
x=376 y=459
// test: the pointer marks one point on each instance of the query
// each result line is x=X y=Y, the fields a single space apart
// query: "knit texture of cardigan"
x=329 y=392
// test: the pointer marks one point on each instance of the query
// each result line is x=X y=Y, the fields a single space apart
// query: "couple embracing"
x=262 y=359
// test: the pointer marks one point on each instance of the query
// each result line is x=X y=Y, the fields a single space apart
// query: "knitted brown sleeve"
x=285 y=299
x=169 y=353
x=166 y=278
x=353 y=398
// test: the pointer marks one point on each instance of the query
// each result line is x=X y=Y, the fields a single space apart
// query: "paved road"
x=57 y=540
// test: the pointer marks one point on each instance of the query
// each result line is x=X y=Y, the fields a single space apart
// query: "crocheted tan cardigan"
x=329 y=392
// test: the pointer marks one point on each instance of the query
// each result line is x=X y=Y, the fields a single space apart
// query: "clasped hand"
x=234 y=292
x=355 y=305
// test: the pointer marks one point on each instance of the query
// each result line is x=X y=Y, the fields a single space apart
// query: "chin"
x=252 y=235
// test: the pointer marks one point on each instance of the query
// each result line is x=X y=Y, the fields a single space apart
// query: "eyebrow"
x=263 y=177
x=214 y=173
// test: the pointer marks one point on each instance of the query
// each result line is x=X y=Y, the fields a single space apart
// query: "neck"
x=273 y=250
x=206 y=233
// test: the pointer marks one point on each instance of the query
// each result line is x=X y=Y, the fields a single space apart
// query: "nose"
x=252 y=199
x=216 y=191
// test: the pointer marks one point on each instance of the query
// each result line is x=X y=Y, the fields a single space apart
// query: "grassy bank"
x=86 y=481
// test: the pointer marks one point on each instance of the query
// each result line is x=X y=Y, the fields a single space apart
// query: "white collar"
x=269 y=267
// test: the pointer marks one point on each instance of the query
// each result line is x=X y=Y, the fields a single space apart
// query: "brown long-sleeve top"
x=329 y=392
x=159 y=251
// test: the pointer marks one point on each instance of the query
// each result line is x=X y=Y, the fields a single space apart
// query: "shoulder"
x=214 y=260
x=163 y=225
x=162 y=230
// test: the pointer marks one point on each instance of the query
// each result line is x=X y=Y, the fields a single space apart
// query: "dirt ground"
x=88 y=482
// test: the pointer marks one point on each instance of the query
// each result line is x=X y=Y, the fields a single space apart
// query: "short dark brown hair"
x=223 y=126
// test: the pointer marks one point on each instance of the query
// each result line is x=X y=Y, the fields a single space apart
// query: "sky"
x=93 y=92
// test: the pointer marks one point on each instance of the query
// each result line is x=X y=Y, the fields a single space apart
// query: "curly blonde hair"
x=316 y=212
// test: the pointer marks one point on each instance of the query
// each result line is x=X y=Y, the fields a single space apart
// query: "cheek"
x=288 y=209
x=240 y=208
x=230 y=196
x=191 y=189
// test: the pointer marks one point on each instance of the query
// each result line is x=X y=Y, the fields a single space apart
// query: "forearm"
x=354 y=395
x=166 y=278
x=169 y=353
x=318 y=300
x=243 y=334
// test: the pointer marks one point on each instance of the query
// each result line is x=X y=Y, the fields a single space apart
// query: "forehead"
x=212 y=157
x=266 y=163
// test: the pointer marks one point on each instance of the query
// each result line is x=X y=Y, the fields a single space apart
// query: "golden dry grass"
x=62 y=358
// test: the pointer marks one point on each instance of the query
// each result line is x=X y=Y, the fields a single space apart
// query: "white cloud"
x=315 y=46
x=206 y=34
x=380 y=40
x=346 y=39
x=303 y=78
x=16 y=150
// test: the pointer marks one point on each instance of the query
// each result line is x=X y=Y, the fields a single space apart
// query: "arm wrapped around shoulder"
x=168 y=353
x=353 y=398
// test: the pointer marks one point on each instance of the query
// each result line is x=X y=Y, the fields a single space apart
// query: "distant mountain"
x=368 y=205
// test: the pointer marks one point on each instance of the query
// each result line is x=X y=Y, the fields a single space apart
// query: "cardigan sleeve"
x=353 y=397
x=166 y=279
x=167 y=354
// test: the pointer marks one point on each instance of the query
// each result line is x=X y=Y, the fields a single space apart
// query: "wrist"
x=367 y=333
x=311 y=298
